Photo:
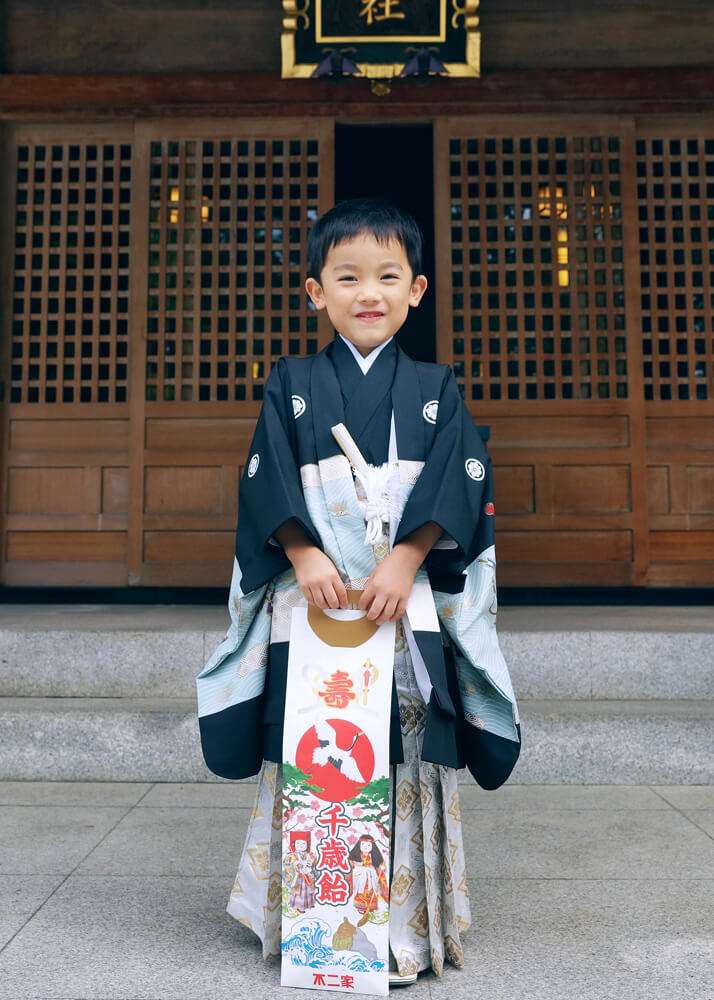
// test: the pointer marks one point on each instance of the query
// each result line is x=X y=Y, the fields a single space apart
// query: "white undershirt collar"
x=365 y=363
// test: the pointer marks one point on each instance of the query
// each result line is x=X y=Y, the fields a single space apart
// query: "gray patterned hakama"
x=429 y=897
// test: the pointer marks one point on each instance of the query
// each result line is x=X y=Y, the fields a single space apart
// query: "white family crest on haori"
x=430 y=411
x=298 y=406
x=253 y=465
x=335 y=812
x=475 y=468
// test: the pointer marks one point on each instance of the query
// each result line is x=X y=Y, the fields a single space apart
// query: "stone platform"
x=107 y=693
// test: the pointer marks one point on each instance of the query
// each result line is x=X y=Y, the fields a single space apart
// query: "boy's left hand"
x=388 y=588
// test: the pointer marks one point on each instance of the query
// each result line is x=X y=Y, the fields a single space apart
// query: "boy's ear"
x=314 y=290
x=419 y=285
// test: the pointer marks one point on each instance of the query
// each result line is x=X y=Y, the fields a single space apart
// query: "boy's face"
x=367 y=288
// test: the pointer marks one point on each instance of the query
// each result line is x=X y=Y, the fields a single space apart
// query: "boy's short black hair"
x=349 y=218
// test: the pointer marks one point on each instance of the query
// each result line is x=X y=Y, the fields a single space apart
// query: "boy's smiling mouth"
x=369 y=317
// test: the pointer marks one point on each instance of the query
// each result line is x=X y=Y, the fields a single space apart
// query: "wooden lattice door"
x=153 y=271
x=157 y=273
x=550 y=235
x=674 y=160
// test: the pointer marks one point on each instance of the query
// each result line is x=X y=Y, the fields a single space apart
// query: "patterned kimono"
x=453 y=704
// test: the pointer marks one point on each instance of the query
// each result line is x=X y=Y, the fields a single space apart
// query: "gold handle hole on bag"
x=341 y=631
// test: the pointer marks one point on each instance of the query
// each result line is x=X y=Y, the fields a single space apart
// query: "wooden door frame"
x=620 y=91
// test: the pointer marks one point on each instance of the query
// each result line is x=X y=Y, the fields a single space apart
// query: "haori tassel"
x=375 y=481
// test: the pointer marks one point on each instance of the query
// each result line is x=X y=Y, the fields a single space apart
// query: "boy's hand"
x=388 y=588
x=315 y=572
x=318 y=578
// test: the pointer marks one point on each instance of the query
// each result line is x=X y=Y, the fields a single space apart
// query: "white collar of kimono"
x=365 y=363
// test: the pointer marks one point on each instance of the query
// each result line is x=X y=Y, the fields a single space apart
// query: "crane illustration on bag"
x=329 y=753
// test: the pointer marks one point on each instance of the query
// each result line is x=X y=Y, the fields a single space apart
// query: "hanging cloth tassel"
x=374 y=479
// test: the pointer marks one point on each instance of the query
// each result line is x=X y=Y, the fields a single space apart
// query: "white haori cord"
x=375 y=480
x=380 y=505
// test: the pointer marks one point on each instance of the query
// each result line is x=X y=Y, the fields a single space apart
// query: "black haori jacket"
x=296 y=469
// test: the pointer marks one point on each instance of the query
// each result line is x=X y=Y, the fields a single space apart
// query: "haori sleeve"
x=454 y=486
x=270 y=488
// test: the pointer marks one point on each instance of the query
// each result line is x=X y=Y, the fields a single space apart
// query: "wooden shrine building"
x=159 y=178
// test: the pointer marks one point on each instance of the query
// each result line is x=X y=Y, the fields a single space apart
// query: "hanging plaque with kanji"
x=336 y=811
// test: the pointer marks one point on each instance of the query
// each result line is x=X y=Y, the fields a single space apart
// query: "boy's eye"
x=351 y=277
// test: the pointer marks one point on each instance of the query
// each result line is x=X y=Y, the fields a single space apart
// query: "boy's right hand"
x=318 y=578
x=316 y=573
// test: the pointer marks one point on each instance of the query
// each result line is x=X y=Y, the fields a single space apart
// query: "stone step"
x=155 y=651
x=655 y=741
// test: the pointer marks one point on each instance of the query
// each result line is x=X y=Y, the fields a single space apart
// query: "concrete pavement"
x=117 y=891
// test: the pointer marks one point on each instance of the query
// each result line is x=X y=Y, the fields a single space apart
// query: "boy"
x=426 y=562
